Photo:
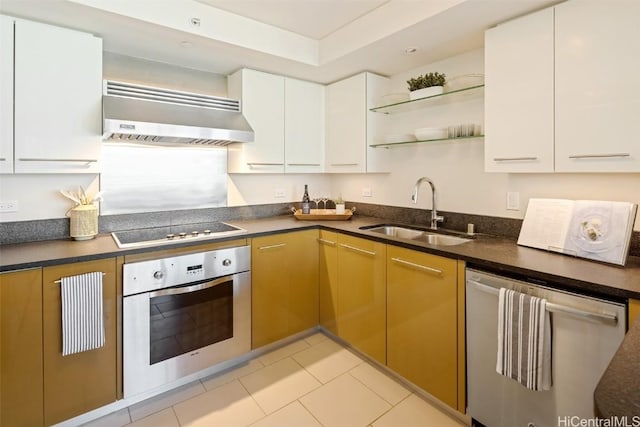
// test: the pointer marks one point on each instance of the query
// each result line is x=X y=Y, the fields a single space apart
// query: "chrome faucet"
x=435 y=218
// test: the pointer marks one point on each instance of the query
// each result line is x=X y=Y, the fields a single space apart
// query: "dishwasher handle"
x=609 y=318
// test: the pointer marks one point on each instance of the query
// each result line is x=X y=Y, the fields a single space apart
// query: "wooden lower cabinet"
x=361 y=291
x=634 y=311
x=328 y=279
x=284 y=285
x=80 y=382
x=21 y=393
x=422 y=321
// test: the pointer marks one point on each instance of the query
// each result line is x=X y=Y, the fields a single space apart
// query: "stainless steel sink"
x=419 y=235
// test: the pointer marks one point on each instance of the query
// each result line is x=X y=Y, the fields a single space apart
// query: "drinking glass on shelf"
x=324 y=200
x=316 y=199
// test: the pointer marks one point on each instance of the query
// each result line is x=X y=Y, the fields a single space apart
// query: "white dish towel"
x=524 y=339
x=82 y=313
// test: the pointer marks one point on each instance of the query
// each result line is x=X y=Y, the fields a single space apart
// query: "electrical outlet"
x=366 y=192
x=513 y=201
x=279 y=193
x=9 y=206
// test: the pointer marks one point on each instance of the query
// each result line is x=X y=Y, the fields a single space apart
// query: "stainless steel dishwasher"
x=586 y=332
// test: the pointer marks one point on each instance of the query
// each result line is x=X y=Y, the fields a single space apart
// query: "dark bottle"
x=306 y=208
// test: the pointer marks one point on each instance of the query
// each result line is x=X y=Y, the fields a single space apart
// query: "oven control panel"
x=162 y=273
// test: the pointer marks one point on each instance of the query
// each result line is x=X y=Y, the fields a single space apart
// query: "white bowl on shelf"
x=424 y=134
x=399 y=137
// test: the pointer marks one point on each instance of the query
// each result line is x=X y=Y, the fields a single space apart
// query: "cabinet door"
x=262 y=101
x=377 y=158
x=347 y=125
x=21 y=348
x=634 y=311
x=284 y=285
x=597 y=95
x=302 y=256
x=6 y=94
x=519 y=95
x=328 y=279
x=422 y=319
x=58 y=99
x=362 y=295
x=77 y=383
x=269 y=289
x=304 y=126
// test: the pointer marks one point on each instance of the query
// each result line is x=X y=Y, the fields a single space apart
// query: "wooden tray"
x=323 y=214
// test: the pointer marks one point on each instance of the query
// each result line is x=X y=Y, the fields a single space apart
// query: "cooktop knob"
x=171 y=236
x=182 y=235
x=207 y=231
x=226 y=262
x=158 y=275
x=195 y=233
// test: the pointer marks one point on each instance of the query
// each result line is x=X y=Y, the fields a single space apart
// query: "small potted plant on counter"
x=428 y=85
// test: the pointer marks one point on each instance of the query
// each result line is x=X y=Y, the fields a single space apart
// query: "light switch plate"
x=366 y=192
x=279 y=193
x=513 y=201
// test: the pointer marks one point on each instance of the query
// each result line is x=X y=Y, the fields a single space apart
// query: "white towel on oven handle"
x=82 y=313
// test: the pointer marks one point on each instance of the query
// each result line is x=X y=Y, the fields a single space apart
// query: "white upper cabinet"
x=561 y=92
x=519 y=95
x=597 y=92
x=58 y=99
x=351 y=127
x=287 y=116
x=6 y=94
x=262 y=100
x=304 y=109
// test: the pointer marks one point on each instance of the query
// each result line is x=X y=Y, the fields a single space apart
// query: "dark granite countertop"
x=497 y=254
x=617 y=393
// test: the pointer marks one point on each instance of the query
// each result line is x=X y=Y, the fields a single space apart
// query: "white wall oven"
x=184 y=314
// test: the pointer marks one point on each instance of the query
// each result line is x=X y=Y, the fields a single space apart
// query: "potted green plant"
x=427 y=85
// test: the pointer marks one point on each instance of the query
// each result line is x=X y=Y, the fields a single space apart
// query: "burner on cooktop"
x=174 y=234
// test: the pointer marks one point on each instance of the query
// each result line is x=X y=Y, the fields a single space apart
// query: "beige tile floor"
x=311 y=382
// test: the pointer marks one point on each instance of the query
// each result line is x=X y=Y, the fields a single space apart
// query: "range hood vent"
x=155 y=116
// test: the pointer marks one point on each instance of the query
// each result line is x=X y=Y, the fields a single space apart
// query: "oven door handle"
x=192 y=288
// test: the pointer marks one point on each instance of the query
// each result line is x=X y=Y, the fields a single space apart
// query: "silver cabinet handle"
x=303 y=164
x=264 y=248
x=326 y=242
x=357 y=249
x=28 y=159
x=418 y=266
x=514 y=159
x=344 y=164
x=192 y=288
x=598 y=156
x=264 y=164
x=554 y=308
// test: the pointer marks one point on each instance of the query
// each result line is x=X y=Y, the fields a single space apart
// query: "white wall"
x=457 y=168
x=260 y=189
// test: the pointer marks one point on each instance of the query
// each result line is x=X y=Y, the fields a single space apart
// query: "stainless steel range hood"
x=154 y=116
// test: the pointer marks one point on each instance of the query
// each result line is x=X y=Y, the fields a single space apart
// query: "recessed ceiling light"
x=185 y=44
x=411 y=49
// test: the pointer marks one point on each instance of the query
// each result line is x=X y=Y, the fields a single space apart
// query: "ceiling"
x=318 y=40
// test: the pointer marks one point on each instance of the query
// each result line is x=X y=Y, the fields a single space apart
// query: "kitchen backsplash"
x=38 y=230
